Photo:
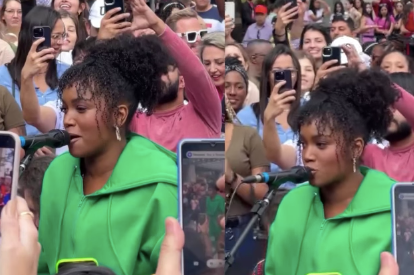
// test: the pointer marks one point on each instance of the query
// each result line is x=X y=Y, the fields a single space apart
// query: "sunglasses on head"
x=191 y=37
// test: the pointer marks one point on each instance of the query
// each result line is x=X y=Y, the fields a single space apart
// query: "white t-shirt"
x=307 y=18
x=65 y=58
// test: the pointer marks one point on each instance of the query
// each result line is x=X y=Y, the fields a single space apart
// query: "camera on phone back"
x=38 y=32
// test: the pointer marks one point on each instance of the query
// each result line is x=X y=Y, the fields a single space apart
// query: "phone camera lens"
x=327 y=51
x=38 y=32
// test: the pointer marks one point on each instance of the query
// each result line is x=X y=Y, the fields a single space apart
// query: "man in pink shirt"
x=397 y=159
x=171 y=120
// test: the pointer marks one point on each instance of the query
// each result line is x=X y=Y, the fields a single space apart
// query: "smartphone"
x=9 y=166
x=43 y=32
x=294 y=3
x=230 y=8
x=200 y=165
x=284 y=75
x=402 y=211
x=61 y=265
x=331 y=53
x=113 y=4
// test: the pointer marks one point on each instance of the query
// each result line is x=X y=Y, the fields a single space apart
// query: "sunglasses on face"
x=191 y=37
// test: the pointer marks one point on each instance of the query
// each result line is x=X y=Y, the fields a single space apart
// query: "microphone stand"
x=258 y=210
x=25 y=162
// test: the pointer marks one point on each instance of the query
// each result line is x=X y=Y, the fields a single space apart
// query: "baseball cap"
x=96 y=13
x=260 y=9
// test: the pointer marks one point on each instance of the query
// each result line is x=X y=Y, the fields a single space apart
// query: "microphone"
x=297 y=174
x=54 y=139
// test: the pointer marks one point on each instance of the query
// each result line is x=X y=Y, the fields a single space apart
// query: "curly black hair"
x=350 y=104
x=124 y=69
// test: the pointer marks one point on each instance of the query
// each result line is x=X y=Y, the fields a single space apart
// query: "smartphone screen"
x=9 y=166
x=403 y=226
x=201 y=164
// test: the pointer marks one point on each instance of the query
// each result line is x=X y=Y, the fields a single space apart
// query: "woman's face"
x=213 y=60
x=338 y=8
x=394 y=63
x=58 y=36
x=283 y=62
x=384 y=11
x=308 y=75
x=399 y=7
x=13 y=14
x=71 y=36
x=358 y=4
x=368 y=8
x=81 y=120
x=72 y=6
x=320 y=152
x=236 y=90
x=317 y=4
x=313 y=43
x=233 y=51
x=347 y=5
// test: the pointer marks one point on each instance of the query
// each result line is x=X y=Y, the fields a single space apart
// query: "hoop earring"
x=118 y=135
x=354 y=164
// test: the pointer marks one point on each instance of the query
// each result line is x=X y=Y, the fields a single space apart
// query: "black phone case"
x=336 y=55
x=47 y=34
x=113 y=4
x=293 y=5
x=285 y=75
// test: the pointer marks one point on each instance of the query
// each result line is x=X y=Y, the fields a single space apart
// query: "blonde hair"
x=179 y=15
x=215 y=39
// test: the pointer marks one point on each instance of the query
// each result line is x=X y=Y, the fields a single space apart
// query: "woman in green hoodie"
x=109 y=197
x=340 y=221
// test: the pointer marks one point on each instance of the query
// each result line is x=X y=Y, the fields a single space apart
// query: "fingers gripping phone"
x=331 y=53
x=294 y=4
x=284 y=75
x=9 y=166
x=402 y=209
x=113 y=4
x=200 y=165
x=43 y=32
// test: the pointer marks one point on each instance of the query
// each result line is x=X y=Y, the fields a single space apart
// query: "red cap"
x=260 y=9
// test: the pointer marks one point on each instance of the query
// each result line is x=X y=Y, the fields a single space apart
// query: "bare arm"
x=244 y=191
x=20 y=131
x=41 y=117
x=282 y=155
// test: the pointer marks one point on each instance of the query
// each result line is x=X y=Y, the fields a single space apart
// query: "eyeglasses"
x=19 y=12
x=191 y=37
x=59 y=36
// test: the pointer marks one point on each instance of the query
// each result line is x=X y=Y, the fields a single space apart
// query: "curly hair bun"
x=370 y=93
x=124 y=68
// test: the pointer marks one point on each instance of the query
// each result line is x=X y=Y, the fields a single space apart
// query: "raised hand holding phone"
x=286 y=15
x=327 y=68
x=144 y=17
x=37 y=61
x=278 y=103
x=113 y=24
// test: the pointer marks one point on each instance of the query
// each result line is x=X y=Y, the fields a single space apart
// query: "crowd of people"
x=349 y=120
